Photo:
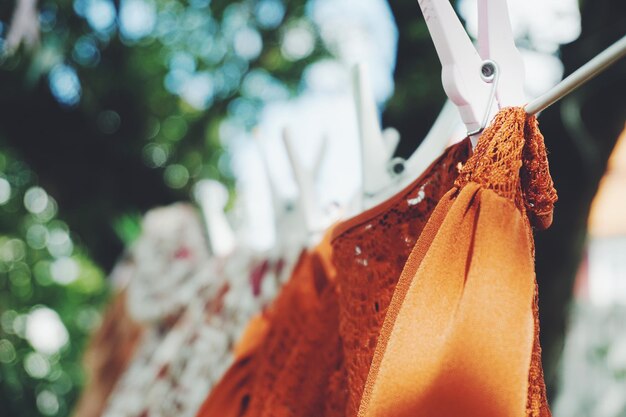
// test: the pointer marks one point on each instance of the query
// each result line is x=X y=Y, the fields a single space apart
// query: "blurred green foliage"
x=121 y=105
x=127 y=102
x=50 y=294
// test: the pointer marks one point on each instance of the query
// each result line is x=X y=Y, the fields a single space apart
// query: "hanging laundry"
x=194 y=312
x=461 y=335
x=288 y=353
x=294 y=362
x=369 y=252
x=169 y=254
x=171 y=270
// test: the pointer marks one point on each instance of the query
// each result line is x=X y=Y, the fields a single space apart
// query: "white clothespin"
x=212 y=197
x=382 y=174
x=306 y=179
x=377 y=148
x=293 y=219
x=477 y=82
x=442 y=134
x=281 y=207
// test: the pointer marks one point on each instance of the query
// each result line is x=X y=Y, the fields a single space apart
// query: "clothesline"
x=579 y=77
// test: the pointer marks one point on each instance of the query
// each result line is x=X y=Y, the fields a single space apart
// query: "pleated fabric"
x=460 y=337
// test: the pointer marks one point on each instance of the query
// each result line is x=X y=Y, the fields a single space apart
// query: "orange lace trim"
x=511 y=159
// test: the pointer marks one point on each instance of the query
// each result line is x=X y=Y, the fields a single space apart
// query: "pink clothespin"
x=479 y=82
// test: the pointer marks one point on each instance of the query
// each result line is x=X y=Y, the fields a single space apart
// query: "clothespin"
x=212 y=197
x=377 y=147
x=306 y=178
x=279 y=205
x=382 y=173
x=295 y=220
x=439 y=137
x=478 y=82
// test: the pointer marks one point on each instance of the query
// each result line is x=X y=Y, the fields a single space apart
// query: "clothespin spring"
x=490 y=73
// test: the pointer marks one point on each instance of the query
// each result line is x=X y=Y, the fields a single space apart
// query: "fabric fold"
x=461 y=333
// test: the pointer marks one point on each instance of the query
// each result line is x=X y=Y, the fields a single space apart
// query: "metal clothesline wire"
x=579 y=77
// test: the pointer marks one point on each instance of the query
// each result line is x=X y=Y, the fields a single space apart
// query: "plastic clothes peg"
x=306 y=179
x=496 y=43
x=382 y=174
x=476 y=82
x=377 y=148
x=212 y=196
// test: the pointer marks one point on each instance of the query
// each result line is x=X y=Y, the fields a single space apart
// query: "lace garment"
x=461 y=332
x=293 y=360
x=369 y=253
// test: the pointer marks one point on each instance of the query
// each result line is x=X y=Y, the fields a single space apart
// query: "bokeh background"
x=109 y=108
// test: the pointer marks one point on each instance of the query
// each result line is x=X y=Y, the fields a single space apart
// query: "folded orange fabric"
x=460 y=337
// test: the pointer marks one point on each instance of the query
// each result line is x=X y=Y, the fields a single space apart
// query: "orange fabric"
x=458 y=335
x=107 y=356
x=291 y=361
x=461 y=333
x=369 y=253
x=285 y=357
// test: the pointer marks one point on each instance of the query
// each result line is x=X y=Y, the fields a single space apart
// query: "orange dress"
x=421 y=313
x=460 y=337
x=310 y=353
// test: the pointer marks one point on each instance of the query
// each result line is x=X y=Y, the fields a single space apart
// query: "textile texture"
x=461 y=333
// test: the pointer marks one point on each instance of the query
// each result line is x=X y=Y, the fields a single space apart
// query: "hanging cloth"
x=295 y=359
x=286 y=354
x=369 y=252
x=194 y=308
x=461 y=335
